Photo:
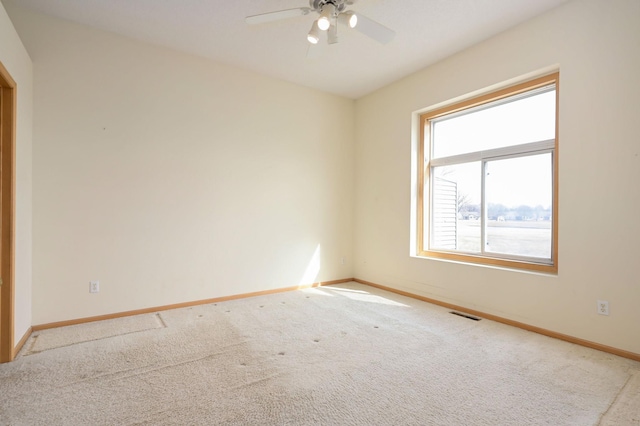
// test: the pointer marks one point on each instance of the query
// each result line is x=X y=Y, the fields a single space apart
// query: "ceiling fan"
x=332 y=13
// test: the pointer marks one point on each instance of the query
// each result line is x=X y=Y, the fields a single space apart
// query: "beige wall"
x=170 y=178
x=16 y=60
x=595 y=44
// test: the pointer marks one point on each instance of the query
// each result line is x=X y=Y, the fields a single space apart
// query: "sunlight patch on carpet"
x=363 y=296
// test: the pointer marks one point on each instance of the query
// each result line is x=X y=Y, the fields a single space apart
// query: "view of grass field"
x=521 y=238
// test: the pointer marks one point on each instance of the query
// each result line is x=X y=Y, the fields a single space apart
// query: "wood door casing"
x=8 y=101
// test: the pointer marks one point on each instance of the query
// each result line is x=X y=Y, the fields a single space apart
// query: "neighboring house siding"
x=445 y=213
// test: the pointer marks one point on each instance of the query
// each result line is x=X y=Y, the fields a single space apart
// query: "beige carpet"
x=340 y=355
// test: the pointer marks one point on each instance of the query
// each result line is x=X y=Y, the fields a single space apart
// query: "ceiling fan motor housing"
x=317 y=5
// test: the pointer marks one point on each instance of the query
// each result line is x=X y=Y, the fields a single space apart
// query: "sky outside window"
x=521 y=121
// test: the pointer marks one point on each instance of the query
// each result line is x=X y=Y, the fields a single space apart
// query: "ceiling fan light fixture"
x=330 y=15
x=348 y=18
x=314 y=34
x=324 y=21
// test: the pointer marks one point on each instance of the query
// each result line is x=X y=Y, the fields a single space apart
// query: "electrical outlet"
x=94 y=286
x=603 y=307
x=343 y=260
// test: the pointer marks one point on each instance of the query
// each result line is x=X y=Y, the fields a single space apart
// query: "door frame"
x=8 y=102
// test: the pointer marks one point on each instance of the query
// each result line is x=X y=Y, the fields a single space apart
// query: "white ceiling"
x=426 y=31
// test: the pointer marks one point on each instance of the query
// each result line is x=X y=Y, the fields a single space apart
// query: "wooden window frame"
x=424 y=184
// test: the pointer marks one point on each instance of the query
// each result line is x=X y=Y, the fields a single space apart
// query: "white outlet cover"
x=94 y=286
x=603 y=307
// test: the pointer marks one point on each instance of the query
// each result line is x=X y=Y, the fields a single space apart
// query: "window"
x=488 y=182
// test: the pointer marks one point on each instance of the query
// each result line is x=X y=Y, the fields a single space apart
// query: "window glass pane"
x=516 y=122
x=456 y=207
x=518 y=193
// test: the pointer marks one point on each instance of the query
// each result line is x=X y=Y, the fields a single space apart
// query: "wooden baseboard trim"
x=604 y=348
x=21 y=343
x=582 y=342
x=181 y=305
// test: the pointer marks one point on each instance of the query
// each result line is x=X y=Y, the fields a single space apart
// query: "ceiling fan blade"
x=375 y=30
x=275 y=16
